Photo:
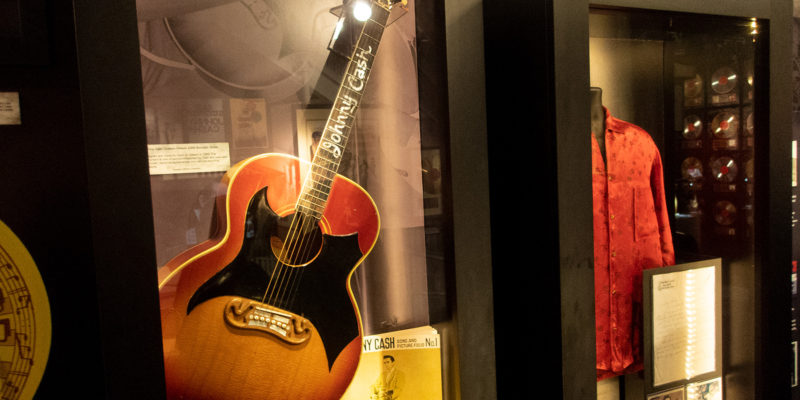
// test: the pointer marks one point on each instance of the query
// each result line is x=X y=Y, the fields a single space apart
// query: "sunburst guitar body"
x=241 y=318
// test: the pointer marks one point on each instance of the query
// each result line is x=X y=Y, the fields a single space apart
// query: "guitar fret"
x=365 y=50
x=321 y=195
x=340 y=129
x=373 y=29
x=321 y=180
x=356 y=72
x=333 y=160
x=310 y=211
x=363 y=38
x=325 y=173
x=346 y=91
x=374 y=21
x=320 y=154
x=368 y=41
x=312 y=200
x=319 y=183
x=347 y=103
x=325 y=169
x=380 y=12
x=343 y=121
x=324 y=190
x=309 y=202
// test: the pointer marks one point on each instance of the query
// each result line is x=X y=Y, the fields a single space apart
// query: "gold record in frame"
x=692 y=169
x=724 y=213
x=725 y=125
x=692 y=127
x=693 y=87
x=724 y=169
x=723 y=80
x=25 y=328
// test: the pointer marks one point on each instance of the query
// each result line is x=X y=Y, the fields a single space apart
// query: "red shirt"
x=631 y=233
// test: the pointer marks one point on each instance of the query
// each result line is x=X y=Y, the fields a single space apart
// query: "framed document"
x=682 y=324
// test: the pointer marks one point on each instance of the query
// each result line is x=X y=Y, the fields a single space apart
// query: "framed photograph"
x=672 y=394
x=309 y=121
x=705 y=390
x=682 y=323
x=249 y=123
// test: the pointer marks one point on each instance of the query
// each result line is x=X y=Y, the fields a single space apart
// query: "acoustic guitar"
x=264 y=308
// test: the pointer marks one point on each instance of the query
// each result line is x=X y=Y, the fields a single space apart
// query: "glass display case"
x=197 y=179
x=689 y=83
x=298 y=158
x=665 y=146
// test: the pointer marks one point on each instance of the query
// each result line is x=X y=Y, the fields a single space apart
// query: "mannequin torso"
x=598 y=119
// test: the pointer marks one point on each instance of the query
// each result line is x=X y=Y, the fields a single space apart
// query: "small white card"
x=184 y=158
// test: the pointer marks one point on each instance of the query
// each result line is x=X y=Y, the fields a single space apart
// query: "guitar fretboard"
x=328 y=156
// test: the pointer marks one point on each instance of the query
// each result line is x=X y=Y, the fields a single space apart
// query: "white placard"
x=184 y=158
x=684 y=324
x=9 y=109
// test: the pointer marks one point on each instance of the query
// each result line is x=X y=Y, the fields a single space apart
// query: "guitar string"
x=297 y=273
x=307 y=250
x=286 y=257
x=292 y=249
x=294 y=256
x=288 y=292
x=277 y=271
x=300 y=245
x=295 y=250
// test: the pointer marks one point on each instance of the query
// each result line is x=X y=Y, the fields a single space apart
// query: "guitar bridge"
x=252 y=315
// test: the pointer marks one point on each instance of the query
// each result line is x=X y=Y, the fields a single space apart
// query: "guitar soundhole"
x=298 y=240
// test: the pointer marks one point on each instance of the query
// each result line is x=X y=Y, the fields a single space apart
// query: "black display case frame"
x=550 y=74
x=80 y=172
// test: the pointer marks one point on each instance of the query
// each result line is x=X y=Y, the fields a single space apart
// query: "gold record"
x=724 y=169
x=724 y=80
x=692 y=127
x=692 y=169
x=693 y=87
x=724 y=212
x=725 y=125
x=25 y=328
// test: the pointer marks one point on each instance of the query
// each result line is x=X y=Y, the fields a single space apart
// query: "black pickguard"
x=321 y=295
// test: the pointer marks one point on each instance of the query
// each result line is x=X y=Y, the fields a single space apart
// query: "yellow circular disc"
x=25 y=330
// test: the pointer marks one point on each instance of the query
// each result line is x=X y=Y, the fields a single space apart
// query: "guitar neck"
x=328 y=156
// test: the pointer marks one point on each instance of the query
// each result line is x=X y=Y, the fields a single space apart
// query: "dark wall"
x=74 y=179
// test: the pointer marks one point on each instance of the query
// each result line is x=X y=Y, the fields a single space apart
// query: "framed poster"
x=682 y=323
